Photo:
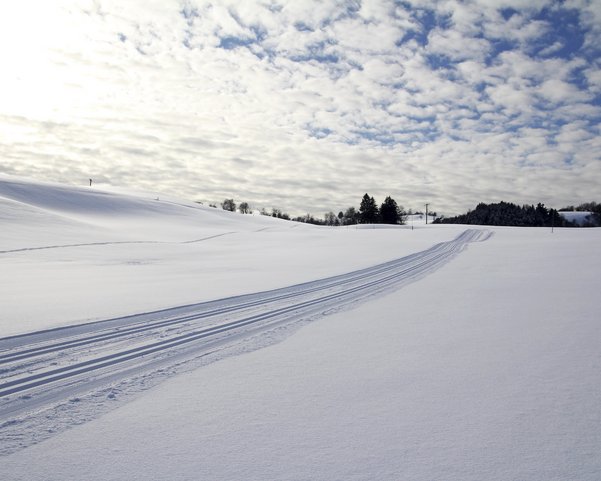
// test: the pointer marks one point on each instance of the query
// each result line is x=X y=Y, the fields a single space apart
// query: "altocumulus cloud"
x=306 y=105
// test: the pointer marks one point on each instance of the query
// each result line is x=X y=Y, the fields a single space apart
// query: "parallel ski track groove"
x=147 y=326
x=416 y=263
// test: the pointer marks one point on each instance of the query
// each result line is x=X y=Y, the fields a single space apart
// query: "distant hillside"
x=509 y=214
x=583 y=215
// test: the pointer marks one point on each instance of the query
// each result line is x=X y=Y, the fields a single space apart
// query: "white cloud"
x=513 y=99
x=307 y=107
x=560 y=92
x=551 y=49
x=593 y=76
x=456 y=46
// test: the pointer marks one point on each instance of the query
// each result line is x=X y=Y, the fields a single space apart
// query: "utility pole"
x=427 y=213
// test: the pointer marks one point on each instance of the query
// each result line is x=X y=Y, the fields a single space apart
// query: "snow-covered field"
x=469 y=357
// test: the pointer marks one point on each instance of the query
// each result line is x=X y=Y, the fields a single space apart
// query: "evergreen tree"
x=597 y=213
x=390 y=212
x=368 y=210
x=508 y=214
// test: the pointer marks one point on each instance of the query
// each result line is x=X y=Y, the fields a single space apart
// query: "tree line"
x=509 y=214
x=593 y=220
x=389 y=212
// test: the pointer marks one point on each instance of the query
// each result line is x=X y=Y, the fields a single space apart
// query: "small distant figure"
x=90 y=182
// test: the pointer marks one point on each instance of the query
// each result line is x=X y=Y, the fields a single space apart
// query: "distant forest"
x=369 y=212
x=390 y=212
x=508 y=214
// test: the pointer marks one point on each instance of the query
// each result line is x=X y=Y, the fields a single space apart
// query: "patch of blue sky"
x=303 y=27
x=428 y=21
x=318 y=52
x=401 y=85
x=349 y=10
x=565 y=36
x=514 y=122
x=231 y=42
x=335 y=70
x=382 y=104
x=421 y=120
x=422 y=129
x=389 y=138
x=262 y=51
x=497 y=47
x=578 y=78
x=275 y=8
x=458 y=136
x=383 y=138
x=354 y=65
x=189 y=13
x=568 y=159
x=508 y=12
x=257 y=35
x=439 y=62
x=480 y=87
x=483 y=125
x=542 y=119
x=321 y=58
x=428 y=135
x=318 y=132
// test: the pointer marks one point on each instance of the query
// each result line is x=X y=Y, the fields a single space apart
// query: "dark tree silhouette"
x=350 y=216
x=508 y=214
x=368 y=210
x=390 y=213
x=228 y=204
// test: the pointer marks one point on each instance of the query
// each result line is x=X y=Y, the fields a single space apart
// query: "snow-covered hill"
x=486 y=368
x=80 y=254
x=91 y=213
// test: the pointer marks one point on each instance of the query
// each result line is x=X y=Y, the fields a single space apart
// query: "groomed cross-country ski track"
x=48 y=371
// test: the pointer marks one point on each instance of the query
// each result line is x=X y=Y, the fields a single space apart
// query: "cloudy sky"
x=306 y=105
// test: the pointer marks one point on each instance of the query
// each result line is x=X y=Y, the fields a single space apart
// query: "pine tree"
x=390 y=212
x=368 y=211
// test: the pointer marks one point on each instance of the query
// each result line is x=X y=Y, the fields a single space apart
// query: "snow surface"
x=487 y=369
x=83 y=254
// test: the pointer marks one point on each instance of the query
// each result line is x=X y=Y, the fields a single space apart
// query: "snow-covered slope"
x=73 y=254
x=486 y=368
x=92 y=213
